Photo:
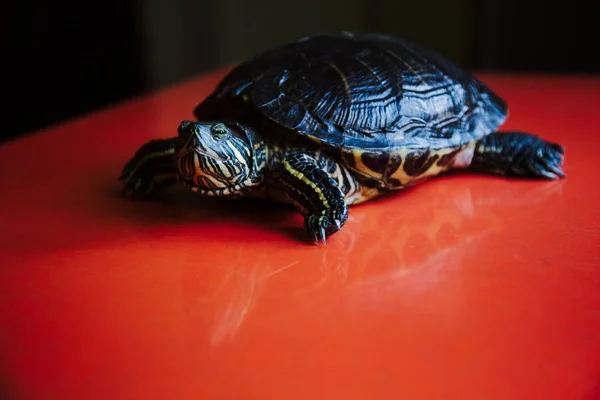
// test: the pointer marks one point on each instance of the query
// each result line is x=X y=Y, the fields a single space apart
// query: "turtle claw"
x=323 y=236
x=323 y=224
x=319 y=236
x=548 y=171
x=337 y=224
x=548 y=160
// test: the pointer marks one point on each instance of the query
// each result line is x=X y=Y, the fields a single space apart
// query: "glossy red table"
x=465 y=287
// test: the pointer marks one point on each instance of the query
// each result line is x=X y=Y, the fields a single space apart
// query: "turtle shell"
x=366 y=91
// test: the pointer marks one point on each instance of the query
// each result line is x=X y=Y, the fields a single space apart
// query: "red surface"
x=466 y=287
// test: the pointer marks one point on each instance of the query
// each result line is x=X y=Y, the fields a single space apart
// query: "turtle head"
x=215 y=158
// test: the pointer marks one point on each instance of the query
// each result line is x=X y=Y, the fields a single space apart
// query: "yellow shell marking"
x=435 y=169
x=400 y=174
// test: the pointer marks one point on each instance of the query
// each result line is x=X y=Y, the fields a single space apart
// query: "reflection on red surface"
x=463 y=287
x=416 y=255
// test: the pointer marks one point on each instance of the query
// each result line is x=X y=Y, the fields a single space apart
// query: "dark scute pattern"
x=375 y=161
x=385 y=163
x=418 y=162
x=348 y=159
x=365 y=91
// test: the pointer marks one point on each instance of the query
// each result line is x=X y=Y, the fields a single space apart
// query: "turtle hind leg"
x=150 y=171
x=518 y=154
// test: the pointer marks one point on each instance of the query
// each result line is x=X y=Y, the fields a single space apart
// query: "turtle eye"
x=219 y=131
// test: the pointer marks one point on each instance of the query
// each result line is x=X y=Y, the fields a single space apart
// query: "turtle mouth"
x=227 y=191
x=189 y=162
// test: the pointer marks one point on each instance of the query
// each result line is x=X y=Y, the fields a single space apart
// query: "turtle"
x=332 y=120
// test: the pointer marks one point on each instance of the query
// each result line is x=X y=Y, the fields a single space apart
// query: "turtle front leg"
x=151 y=170
x=315 y=193
x=518 y=154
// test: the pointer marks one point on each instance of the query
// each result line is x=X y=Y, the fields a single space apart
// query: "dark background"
x=62 y=59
